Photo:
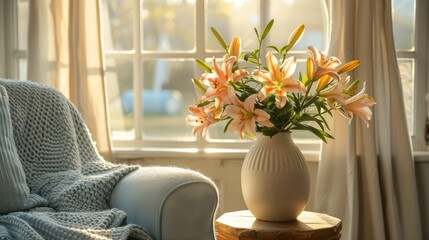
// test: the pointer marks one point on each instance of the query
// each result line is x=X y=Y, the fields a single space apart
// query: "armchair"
x=68 y=180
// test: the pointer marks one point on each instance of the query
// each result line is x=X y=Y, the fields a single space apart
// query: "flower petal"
x=263 y=77
x=288 y=67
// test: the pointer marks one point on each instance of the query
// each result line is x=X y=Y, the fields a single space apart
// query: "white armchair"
x=73 y=193
x=169 y=203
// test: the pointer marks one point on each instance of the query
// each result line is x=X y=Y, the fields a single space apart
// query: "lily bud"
x=323 y=81
x=310 y=73
x=352 y=88
x=349 y=66
x=198 y=85
x=235 y=47
x=296 y=36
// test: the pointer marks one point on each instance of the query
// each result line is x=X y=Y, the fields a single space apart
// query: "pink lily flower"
x=359 y=104
x=278 y=80
x=322 y=65
x=335 y=92
x=201 y=118
x=245 y=116
x=218 y=81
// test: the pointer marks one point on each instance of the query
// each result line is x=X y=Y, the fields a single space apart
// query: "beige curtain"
x=366 y=175
x=65 y=51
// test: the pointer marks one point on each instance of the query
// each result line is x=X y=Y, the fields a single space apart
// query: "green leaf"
x=251 y=60
x=267 y=29
x=199 y=85
x=227 y=125
x=256 y=31
x=305 y=80
x=319 y=133
x=247 y=56
x=312 y=100
x=250 y=136
x=318 y=107
x=204 y=103
x=255 y=52
x=283 y=49
x=297 y=103
x=204 y=65
x=219 y=38
x=273 y=47
x=320 y=123
x=324 y=122
x=305 y=118
x=286 y=109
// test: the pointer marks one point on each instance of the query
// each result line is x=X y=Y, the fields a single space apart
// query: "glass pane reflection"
x=168 y=25
x=403 y=12
x=406 y=68
x=168 y=90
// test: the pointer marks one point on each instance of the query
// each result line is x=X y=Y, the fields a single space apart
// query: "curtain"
x=366 y=174
x=65 y=51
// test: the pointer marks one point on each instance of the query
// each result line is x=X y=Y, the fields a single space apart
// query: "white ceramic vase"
x=274 y=178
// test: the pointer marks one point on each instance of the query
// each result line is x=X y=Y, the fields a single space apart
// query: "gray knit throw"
x=70 y=183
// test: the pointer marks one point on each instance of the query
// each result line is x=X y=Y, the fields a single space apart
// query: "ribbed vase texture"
x=274 y=178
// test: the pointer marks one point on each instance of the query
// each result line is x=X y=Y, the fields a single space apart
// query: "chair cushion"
x=13 y=187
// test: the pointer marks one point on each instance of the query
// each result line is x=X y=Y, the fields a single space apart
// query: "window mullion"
x=10 y=38
x=137 y=74
x=201 y=52
x=421 y=87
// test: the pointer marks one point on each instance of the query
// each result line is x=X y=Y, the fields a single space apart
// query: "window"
x=150 y=47
x=410 y=27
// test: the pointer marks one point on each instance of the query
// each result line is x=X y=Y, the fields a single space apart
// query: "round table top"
x=309 y=225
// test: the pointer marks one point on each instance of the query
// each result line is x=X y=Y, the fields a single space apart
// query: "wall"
x=422 y=176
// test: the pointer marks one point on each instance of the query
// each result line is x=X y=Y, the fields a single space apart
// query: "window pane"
x=22 y=24
x=232 y=18
x=290 y=14
x=168 y=25
x=119 y=75
x=406 y=67
x=403 y=23
x=22 y=69
x=118 y=20
x=168 y=90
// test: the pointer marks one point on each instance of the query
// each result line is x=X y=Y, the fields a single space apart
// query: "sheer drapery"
x=65 y=51
x=366 y=175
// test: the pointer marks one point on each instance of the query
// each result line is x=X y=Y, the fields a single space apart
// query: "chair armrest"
x=168 y=202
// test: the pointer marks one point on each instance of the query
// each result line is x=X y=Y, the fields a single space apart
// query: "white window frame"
x=421 y=78
x=199 y=148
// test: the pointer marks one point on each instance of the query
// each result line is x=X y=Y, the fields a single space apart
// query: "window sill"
x=211 y=153
x=193 y=153
x=421 y=156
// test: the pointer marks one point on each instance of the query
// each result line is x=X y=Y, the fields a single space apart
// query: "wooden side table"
x=242 y=225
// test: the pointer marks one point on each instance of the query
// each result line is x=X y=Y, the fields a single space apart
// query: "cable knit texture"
x=70 y=183
x=13 y=187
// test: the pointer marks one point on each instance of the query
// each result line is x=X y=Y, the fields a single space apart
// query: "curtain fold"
x=65 y=51
x=366 y=174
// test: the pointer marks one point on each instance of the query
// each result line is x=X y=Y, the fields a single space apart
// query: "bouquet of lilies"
x=272 y=98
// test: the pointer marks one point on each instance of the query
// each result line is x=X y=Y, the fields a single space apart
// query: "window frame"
x=139 y=147
x=421 y=77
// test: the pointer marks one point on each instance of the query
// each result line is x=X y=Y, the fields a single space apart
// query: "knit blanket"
x=70 y=183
